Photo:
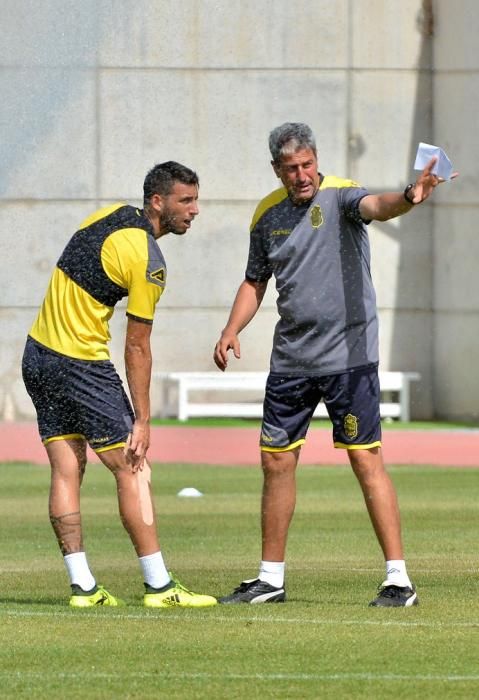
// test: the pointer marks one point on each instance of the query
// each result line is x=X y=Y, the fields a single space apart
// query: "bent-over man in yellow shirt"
x=77 y=393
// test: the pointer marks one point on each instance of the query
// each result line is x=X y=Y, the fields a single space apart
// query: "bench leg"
x=404 y=397
x=182 y=402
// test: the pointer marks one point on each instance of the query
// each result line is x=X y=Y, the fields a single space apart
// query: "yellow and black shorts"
x=351 y=399
x=76 y=398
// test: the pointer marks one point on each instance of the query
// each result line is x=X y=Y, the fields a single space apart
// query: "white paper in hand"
x=442 y=167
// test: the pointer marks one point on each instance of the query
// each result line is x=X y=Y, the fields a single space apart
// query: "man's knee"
x=367 y=464
x=276 y=463
x=115 y=460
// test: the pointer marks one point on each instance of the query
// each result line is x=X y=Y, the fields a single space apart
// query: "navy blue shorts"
x=76 y=398
x=351 y=399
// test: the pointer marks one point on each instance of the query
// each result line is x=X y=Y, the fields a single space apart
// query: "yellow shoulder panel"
x=337 y=182
x=101 y=213
x=124 y=257
x=270 y=201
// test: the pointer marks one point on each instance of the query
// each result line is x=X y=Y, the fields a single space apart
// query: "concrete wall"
x=456 y=241
x=94 y=93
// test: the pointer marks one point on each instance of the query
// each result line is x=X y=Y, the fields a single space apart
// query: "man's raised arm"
x=388 y=205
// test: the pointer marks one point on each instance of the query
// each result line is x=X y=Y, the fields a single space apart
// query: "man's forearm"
x=246 y=304
x=381 y=207
x=138 y=365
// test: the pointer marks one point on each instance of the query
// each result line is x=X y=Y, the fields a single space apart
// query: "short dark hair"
x=161 y=178
x=289 y=138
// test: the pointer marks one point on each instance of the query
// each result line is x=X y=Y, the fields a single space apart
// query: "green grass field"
x=324 y=643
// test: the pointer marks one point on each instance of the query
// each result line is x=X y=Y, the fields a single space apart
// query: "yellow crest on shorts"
x=316 y=216
x=351 y=426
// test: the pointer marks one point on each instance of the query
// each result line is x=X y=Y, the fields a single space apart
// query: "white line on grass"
x=322 y=568
x=22 y=675
x=188 y=616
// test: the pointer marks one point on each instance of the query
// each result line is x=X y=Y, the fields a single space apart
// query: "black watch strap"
x=406 y=192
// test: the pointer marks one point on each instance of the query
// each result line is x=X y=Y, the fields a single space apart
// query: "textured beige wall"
x=456 y=243
x=94 y=93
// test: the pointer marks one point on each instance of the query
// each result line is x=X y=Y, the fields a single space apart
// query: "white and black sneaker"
x=392 y=596
x=255 y=591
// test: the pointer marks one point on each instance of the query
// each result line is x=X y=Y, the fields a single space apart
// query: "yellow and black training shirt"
x=114 y=254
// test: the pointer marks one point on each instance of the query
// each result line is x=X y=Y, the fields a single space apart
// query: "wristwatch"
x=406 y=192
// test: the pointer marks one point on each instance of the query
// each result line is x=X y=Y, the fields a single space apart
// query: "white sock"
x=396 y=573
x=272 y=572
x=154 y=570
x=79 y=571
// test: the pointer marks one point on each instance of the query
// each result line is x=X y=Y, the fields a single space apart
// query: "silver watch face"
x=406 y=192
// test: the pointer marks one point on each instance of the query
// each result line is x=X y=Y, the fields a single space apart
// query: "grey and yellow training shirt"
x=319 y=255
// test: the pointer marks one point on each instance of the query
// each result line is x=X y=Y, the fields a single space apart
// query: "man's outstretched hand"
x=427 y=181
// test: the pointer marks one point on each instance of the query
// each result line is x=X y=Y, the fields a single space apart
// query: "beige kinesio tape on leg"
x=146 y=505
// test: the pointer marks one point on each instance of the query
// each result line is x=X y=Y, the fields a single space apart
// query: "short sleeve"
x=143 y=295
x=126 y=258
x=258 y=268
x=349 y=198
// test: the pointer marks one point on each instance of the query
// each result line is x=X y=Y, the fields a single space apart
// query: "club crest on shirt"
x=316 y=216
x=351 y=426
x=158 y=275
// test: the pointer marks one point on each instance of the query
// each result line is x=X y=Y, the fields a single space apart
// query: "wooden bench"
x=177 y=389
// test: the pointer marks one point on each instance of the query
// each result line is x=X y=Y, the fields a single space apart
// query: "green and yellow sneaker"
x=97 y=596
x=175 y=595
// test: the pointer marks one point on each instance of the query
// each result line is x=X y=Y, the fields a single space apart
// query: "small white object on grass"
x=189 y=492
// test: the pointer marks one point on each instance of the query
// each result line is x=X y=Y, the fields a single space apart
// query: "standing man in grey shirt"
x=311 y=235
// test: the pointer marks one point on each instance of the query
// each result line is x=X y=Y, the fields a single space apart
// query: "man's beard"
x=171 y=224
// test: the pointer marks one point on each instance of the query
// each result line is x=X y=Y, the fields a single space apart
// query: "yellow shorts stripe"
x=71 y=436
x=288 y=448
x=343 y=446
x=109 y=447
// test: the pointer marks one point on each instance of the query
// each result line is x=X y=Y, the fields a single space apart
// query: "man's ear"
x=156 y=202
x=276 y=169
